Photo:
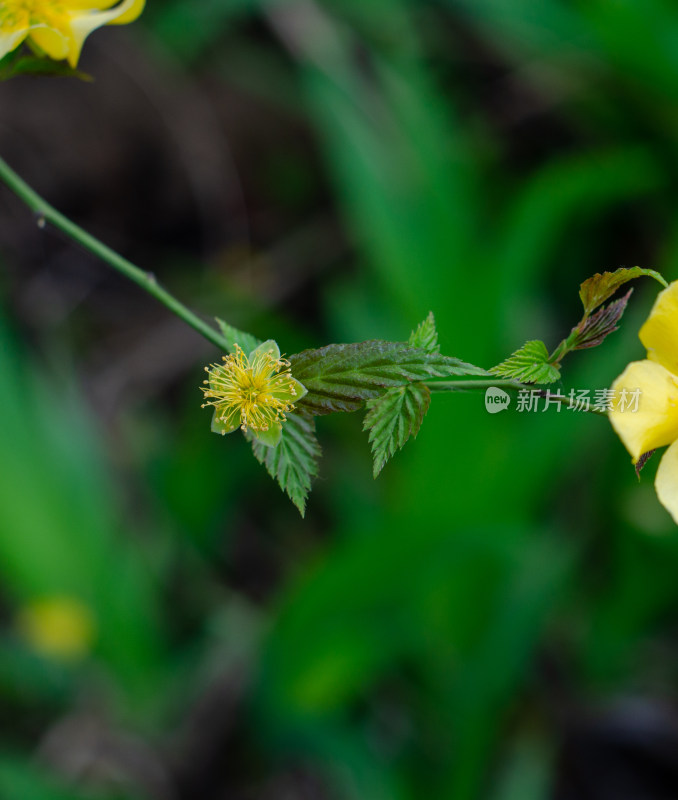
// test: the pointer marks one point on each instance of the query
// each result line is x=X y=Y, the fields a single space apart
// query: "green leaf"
x=340 y=377
x=601 y=286
x=530 y=364
x=392 y=418
x=235 y=337
x=426 y=335
x=294 y=462
x=12 y=66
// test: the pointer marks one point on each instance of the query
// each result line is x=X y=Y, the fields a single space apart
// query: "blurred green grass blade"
x=401 y=169
x=548 y=27
x=617 y=35
x=330 y=643
x=60 y=533
x=435 y=600
x=629 y=607
x=639 y=41
x=526 y=774
x=496 y=670
x=188 y=28
x=563 y=196
x=25 y=780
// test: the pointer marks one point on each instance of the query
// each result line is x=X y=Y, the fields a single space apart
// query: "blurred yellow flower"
x=59 y=627
x=59 y=28
x=252 y=392
x=655 y=422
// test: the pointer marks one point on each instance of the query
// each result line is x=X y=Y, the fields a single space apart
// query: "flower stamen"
x=251 y=394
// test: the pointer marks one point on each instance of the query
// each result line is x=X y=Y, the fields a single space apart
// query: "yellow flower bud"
x=59 y=627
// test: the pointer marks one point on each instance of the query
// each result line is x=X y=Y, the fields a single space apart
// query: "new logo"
x=496 y=400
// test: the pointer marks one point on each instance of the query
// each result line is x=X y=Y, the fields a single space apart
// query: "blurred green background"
x=496 y=616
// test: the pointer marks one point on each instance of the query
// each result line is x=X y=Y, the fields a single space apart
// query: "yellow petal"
x=666 y=482
x=655 y=423
x=11 y=40
x=660 y=333
x=126 y=12
x=83 y=22
x=51 y=41
x=89 y=5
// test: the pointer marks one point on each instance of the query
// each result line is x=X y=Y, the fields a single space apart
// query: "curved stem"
x=47 y=214
x=482 y=385
x=475 y=384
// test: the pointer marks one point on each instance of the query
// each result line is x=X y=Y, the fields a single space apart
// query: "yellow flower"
x=655 y=380
x=59 y=627
x=252 y=392
x=59 y=27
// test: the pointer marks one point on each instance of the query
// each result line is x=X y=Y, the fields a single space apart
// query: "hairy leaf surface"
x=392 y=418
x=235 y=337
x=530 y=364
x=601 y=286
x=294 y=461
x=426 y=335
x=341 y=377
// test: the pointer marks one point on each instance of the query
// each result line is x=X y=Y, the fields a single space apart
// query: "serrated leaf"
x=530 y=364
x=601 y=286
x=341 y=377
x=426 y=335
x=234 y=336
x=593 y=330
x=392 y=418
x=294 y=461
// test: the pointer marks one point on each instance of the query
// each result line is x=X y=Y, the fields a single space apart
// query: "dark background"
x=496 y=616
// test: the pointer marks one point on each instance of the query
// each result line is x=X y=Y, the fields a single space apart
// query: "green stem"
x=474 y=385
x=46 y=213
x=481 y=385
x=565 y=346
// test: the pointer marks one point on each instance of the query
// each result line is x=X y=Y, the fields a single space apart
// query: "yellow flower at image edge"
x=58 y=627
x=252 y=393
x=59 y=28
x=655 y=423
